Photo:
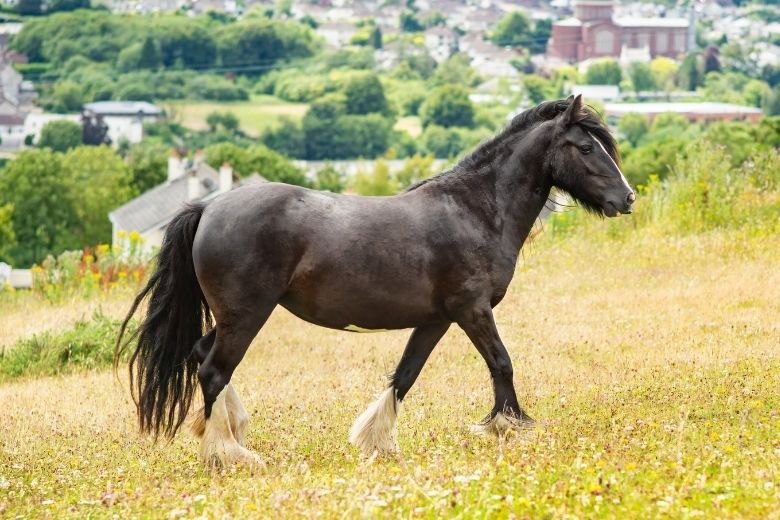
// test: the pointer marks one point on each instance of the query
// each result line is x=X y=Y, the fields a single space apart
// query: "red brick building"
x=595 y=32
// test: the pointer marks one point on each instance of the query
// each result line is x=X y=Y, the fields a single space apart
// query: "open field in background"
x=255 y=115
x=651 y=364
x=28 y=314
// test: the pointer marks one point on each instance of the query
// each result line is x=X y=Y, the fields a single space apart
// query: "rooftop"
x=683 y=108
x=632 y=21
x=130 y=108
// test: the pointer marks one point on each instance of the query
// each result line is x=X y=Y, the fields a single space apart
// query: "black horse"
x=441 y=252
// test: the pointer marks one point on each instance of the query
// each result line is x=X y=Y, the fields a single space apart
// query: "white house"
x=188 y=181
x=125 y=119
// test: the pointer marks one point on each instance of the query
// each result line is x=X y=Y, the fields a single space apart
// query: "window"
x=661 y=42
x=679 y=41
x=605 y=42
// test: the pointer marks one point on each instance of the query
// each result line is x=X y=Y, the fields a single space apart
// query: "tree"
x=330 y=179
x=365 y=95
x=53 y=6
x=536 y=87
x=633 y=127
x=690 y=74
x=7 y=236
x=757 y=93
x=100 y=182
x=441 y=142
x=711 y=60
x=255 y=159
x=43 y=208
x=409 y=23
x=60 y=135
x=376 y=37
x=67 y=96
x=379 y=182
x=94 y=131
x=664 y=71
x=448 y=106
x=29 y=7
x=455 y=70
x=604 y=72
x=149 y=57
x=287 y=138
x=513 y=30
x=148 y=163
x=641 y=76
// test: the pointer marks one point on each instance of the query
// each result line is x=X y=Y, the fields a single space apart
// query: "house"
x=125 y=119
x=595 y=31
x=441 y=42
x=336 y=34
x=597 y=92
x=188 y=181
x=693 y=112
x=35 y=121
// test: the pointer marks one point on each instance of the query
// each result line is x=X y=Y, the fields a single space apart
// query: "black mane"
x=487 y=151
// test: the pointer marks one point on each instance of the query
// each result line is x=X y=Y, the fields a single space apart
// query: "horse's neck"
x=522 y=189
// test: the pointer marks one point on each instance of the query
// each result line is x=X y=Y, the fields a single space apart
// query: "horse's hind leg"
x=221 y=435
x=237 y=416
x=374 y=430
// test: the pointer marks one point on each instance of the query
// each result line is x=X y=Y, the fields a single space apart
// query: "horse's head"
x=583 y=161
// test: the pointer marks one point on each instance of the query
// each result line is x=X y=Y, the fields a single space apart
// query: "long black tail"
x=163 y=371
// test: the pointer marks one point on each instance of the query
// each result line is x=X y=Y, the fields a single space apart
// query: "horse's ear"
x=573 y=113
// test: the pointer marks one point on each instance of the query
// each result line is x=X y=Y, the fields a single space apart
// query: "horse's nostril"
x=631 y=197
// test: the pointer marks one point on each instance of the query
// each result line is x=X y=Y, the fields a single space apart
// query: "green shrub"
x=88 y=345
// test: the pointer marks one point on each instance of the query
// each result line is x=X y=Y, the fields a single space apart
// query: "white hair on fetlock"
x=500 y=424
x=219 y=448
x=375 y=429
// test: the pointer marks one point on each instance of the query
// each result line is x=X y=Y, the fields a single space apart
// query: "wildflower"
x=122 y=275
x=89 y=259
x=121 y=234
x=134 y=236
x=102 y=249
x=96 y=276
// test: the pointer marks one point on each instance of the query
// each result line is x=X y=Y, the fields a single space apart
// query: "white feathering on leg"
x=219 y=447
x=375 y=429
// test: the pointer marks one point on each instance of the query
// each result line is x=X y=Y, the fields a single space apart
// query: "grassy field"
x=256 y=115
x=651 y=365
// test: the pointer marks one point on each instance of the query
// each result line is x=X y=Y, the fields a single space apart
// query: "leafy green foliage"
x=448 y=106
x=365 y=95
x=43 y=205
x=604 y=72
x=148 y=163
x=641 y=76
x=88 y=345
x=100 y=181
x=7 y=236
x=255 y=159
x=60 y=135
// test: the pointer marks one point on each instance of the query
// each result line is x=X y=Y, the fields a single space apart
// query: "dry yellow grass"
x=26 y=315
x=652 y=366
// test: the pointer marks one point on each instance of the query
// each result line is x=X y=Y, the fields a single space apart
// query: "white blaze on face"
x=622 y=177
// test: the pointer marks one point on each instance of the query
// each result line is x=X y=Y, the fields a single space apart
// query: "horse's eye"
x=586 y=149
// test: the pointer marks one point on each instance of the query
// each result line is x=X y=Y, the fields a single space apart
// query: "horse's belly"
x=345 y=305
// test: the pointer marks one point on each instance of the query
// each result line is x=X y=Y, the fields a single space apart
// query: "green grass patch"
x=88 y=345
x=255 y=116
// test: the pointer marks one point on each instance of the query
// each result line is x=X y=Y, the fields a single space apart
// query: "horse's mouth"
x=611 y=210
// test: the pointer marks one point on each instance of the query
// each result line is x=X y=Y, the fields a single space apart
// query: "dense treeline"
x=96 y=55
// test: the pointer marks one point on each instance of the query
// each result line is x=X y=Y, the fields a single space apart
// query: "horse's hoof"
x=501 y=424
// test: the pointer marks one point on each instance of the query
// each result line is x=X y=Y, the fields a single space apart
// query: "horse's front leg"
x=480 y=327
